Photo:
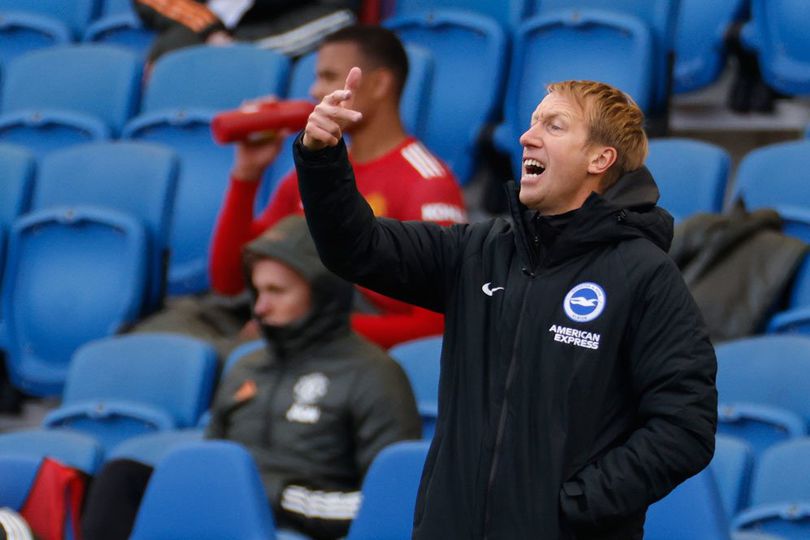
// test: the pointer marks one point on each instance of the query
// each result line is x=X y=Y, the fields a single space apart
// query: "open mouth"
x=532 y=167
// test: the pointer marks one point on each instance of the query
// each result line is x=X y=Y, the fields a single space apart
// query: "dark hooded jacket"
x=326 y=400
x=578 y=381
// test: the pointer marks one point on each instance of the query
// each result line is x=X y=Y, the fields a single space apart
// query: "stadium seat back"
x=458 y=113
x=777 y=31
x=201 y=185
x=134 y=177
x=732 y=465
x=559 y=46
x=692 y=510
x=700 y=50
x=73 y=274
x=75 y=14
x=420 y=359
x=122 y=386
x=99 y=81
x=780 y=495
x=389 y=493
x=509 y=13
x=73 y=449
x=207 y=490
x=773 y=177
x=218 y=78
x=691 y=175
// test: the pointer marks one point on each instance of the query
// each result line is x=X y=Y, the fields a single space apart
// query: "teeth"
x=534 y=166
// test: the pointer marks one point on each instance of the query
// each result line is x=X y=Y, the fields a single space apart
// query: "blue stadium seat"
x=62 y=95
x=560 y=45
x=214 y=78
x=778 y=34
x=732 y=464
x=764 y=377
x=73 y=274
x=796 y=318
x=17 y=172
x=235 y=355
x=692 y=175
x=421 y=361
x=74 y=14
x=17 y=473
x=240 y=352
x=458 y=113
x=73 y=449
x=693 y=510
x=509 y=13
x=207 y=490
x=151 y=448
x=187 y=88
x=660 y=16
x=700 y=49
x=124 y=386
x=133 y=177
x=22 y=32
x=124 y=29
x=773 y=177
x=780 y=493
x=389 y=493
x=761 y=426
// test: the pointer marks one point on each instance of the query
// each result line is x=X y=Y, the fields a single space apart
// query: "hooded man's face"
x=283 y=296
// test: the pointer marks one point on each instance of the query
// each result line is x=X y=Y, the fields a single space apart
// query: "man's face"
x=282 y=294
x=332 y=66
x=555 y=174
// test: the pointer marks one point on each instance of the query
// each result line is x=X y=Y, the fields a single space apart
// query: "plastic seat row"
x=27 y=25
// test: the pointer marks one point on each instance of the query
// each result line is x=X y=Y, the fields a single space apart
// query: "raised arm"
x=410 y=261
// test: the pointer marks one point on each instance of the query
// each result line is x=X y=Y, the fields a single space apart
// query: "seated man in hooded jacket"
x=314 y=407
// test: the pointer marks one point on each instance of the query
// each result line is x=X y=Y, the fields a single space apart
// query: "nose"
x=530 y=137
x=316 y=91
x=262 y=306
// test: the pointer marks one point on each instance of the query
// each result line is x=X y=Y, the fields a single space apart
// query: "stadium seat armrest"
x=793 y=423
x=112 y=22
x=40 y=23
x=175 y=117
x=102 y=409
x=95 y=127
x=791 y=511
x=784 y=321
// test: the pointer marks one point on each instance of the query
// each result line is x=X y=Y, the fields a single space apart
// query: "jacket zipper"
x=271 y=401
x=502 y=419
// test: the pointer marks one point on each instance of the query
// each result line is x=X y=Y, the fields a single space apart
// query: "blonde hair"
x=614 y=119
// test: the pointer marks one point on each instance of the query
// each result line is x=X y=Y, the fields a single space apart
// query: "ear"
x=381 y=83
x=601 y=159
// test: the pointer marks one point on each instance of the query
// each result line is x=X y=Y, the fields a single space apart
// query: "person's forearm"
x=232 y=231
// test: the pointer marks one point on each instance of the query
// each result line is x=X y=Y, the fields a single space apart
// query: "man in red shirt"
x=396 y=174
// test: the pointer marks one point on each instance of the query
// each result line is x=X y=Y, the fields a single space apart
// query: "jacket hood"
x=289 y=242
x=628 y=209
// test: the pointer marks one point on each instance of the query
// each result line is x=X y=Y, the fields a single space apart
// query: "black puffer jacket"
x=576 y=388
x=326 y=400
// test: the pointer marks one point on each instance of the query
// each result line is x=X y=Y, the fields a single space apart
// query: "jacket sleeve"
x=383 y=411
x=673 y=368
x=409 y=261
x=164 y=14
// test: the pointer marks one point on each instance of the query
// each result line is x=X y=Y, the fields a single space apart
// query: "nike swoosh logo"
x=488 y=291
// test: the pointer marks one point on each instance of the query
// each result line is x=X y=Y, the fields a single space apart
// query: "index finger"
x=353 y=79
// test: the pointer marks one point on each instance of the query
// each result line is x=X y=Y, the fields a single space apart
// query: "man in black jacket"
x=578 y=380
x=314 y=407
